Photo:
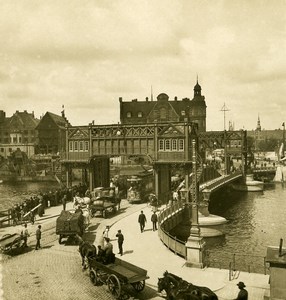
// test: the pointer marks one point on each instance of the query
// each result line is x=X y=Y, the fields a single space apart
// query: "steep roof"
x=21 y=119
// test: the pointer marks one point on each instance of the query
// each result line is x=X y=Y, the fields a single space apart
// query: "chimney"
x=120 y=99
x=147 y=99
x=176 y=98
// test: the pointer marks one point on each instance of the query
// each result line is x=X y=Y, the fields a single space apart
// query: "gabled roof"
x=60 y=121
x=21 y=119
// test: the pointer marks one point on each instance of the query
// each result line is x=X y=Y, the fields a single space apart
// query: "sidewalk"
x=146 y=250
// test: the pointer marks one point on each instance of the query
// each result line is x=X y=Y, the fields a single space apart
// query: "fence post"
x=229 y=272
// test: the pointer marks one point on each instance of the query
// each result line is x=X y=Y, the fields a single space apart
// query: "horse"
x=181 y=289
x=86 y=251
x=173 y=293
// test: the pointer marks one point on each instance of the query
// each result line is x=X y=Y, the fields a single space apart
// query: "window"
x=163 y=113
x=181 y=145
x=20 y=139
x=161 y=145
x=174 y=145
x=75 y=146
x=140 y=114
x=81 y=146
x=14 y=140
x=129 y=115
x=86 y=146
x=70 y=146
x=167 y=145
x=183 y=112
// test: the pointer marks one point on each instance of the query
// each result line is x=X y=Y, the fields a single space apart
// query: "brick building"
x=164 y=109
x=52 y=134
x=17 y=133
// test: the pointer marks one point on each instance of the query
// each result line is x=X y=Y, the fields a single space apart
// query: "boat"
x=250 y=185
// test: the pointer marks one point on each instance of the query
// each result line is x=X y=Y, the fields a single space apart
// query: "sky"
x=84 y=55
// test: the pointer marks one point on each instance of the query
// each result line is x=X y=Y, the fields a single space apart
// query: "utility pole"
x=224 y=109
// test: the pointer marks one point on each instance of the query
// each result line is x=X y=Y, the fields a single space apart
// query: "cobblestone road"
x=54 y=272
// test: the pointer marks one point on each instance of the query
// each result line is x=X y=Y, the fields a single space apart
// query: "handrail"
x=173 y=243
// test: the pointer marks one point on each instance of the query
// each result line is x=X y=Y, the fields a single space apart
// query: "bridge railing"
x=238 y=263
x=168 y=219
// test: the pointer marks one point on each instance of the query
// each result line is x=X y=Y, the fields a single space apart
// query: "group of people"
x=25 y=234
x=142 y=220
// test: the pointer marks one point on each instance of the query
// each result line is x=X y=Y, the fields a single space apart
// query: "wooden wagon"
x=8 y=242
x=69 y=224
x=116 y=275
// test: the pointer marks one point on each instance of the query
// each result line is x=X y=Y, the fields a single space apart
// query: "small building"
x=52 y=134
x=165 y=110
x=18 y=133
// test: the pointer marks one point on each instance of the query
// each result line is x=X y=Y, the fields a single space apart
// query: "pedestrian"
x=32 y=217
x=120 y=239
x=25 y=234
x=108 y=251
x=142 y=220
x=64 y=201
x=38 y=237
x=243 y=294
x=154 y=219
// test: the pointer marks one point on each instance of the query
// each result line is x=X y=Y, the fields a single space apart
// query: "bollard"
x=280 y=247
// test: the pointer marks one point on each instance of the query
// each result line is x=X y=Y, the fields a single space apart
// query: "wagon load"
x=69 y=224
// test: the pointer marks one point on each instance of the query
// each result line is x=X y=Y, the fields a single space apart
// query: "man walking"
x=120 y=239
x=38 y=237
x=243 y=294
x=154 y=219
x=64 y=201
x=25 y=235
x=142 y=220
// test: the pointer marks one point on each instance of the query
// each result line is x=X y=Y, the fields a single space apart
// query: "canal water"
x=16 y=192
x=255 y=220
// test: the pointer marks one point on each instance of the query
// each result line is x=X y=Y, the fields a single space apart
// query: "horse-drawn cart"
x=117 y=275
x=69 y=224
x=8 y=242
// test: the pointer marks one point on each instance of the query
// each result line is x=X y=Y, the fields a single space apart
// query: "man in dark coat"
x=154 y=219
x=120 y=239
x=38 y=237
x=243 y=294
x=142 y=220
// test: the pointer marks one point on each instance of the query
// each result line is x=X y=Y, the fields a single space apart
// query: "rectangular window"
x=161 y=145
x=167 y=145
x=86 y=146
x=20 y=139
x=81 y=146
x=181 y=145
x=70 y=146
x=75 y=146
x=14 y=140
x=174 y=144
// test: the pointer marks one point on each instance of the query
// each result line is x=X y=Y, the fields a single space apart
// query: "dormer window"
x=140 y=114
x=128 y=115
x=183 y=112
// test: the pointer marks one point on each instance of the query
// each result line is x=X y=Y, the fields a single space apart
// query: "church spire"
x=197 y=88
x=258 y=127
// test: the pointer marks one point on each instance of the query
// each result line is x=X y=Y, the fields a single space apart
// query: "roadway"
x=55 y=271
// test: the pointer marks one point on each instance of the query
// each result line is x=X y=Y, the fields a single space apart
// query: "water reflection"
x=255 y=220
x=16 y=192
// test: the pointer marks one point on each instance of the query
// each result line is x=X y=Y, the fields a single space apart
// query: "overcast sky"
x=86 y=54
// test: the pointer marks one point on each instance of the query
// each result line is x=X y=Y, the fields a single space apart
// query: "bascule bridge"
x=165 y=144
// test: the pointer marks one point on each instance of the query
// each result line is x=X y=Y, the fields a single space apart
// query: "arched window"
x=161 y=145
x=140 y=114
x=128 y=115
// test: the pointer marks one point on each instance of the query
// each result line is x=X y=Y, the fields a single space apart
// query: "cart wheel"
x=93 y=277
x=139 y=285
x=60 y=239
x=114 y=285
